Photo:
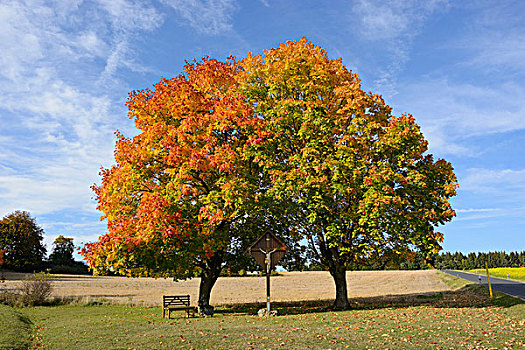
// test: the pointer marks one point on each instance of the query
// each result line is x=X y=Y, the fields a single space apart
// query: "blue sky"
x=66 y=67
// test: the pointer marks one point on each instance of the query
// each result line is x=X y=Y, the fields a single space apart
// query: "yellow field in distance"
x=514 y=273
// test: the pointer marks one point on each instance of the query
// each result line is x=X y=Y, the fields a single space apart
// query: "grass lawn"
x=515 y=273
x=15 y=329
x=461 y=319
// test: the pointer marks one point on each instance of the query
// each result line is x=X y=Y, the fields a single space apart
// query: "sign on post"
x=267 y=251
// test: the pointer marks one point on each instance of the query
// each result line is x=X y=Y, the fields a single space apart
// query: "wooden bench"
x=177 y=302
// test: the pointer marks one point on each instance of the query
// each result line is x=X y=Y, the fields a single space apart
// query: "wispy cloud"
x=494 y=38
x=478 y=210
x=60 y=118
x=82 y=232
x=393 y=20
x=479 y=213
x=126 y=19
x=206 y=16
x=498 y=51
x=452 y=109
x=451 y=112
x=394 y=24
x=499 y=182
x=504 y=189
x=483 y=217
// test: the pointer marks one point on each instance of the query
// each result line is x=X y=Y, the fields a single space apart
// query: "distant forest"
x=460 y=261
x=452 y=261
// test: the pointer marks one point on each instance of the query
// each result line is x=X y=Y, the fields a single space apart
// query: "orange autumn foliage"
x=182 y=181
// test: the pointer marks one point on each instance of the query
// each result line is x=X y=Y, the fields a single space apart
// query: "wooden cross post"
x=267 y=251
x=268 y=261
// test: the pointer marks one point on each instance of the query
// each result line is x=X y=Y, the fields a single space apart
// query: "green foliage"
x=21 y=240
x=63 y=249
x=241 y=263
x=74 y=268
x=460 y=261
x=358 y=179
x=358 y=176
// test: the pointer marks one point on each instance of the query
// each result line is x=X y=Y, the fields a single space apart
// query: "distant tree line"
x=444 y=260
x=22 y=248
x=460 y=261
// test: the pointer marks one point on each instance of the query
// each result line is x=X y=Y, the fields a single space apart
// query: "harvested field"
x=290 y=286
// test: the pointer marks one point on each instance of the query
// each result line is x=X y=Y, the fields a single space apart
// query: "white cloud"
x=480 y=92
x=481 y=216
x=395 y=24
x=391 y=20
x=40 y=195
x=451 y=112
x=497 y=50
x=477 y=210
x=128 y=16
x=479 y=213
x=494 y=37
x=499 y=182
x=206 y=16
x=91 y=44
x=19 y=43
x=60 y=118
x=82 y=232
x=126 y=19
x=503 y=188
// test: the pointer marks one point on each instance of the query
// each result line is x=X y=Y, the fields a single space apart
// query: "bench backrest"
x=175 y=300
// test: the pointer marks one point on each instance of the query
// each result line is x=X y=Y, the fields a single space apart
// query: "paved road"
x=513 y=288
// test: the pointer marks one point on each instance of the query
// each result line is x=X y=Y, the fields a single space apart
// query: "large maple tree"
x=360 y=179
x=179 y=198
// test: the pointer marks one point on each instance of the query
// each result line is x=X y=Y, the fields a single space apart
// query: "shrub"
x=8 y=298
x=35 y=289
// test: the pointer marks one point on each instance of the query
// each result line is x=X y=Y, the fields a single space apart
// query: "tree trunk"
x=211 y=271
x=341 y=291
x=330 y=257
x=205 y=287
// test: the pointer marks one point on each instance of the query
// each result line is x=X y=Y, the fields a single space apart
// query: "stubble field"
x=289 y=286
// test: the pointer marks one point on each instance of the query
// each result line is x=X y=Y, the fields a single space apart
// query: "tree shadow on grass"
x=471 y=295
